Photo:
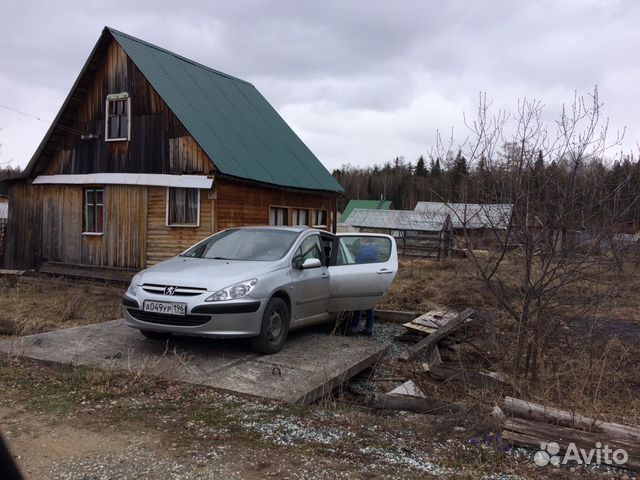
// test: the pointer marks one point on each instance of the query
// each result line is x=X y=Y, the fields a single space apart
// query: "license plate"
x=167 y=308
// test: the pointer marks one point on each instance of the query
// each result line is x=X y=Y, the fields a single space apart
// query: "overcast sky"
x=361 y=82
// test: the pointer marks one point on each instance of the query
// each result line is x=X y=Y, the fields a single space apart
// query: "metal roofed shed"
x=494 y=216
x=415 y=234
x=365 y=204
x=396 y=220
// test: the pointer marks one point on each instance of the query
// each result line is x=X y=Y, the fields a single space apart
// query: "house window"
x=278 y=216
x=93 y=210
x=118 y=116
x=299 y=216
x=319 y=218
x=183 y=207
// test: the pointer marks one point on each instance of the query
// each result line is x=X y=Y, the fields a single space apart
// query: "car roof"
x=282 y=228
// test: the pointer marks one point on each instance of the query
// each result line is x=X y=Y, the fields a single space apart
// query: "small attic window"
x=117 y=117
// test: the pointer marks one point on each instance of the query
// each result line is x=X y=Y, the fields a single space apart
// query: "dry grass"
x=591 y=369
x=42 y=304
x=423 y=284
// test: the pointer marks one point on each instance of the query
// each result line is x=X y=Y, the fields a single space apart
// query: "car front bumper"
x=233 y=319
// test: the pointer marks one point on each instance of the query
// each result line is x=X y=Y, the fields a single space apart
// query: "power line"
x=63 y=127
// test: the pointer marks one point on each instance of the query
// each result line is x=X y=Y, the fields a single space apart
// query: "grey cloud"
x=361 y=81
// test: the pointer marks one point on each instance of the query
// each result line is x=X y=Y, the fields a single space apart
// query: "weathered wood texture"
x=432 y=340
x=541 y=413
x=245 y=204
x=159 y=143
x=389 y=401
x=532 y=434
x=163 y=241
x=46 y=224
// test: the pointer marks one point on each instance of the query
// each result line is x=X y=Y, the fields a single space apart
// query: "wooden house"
x=150 y=153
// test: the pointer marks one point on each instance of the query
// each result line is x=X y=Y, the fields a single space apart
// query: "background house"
x=151 y=152
x=364 y=204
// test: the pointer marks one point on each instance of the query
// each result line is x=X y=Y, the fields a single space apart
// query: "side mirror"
x=311 y=263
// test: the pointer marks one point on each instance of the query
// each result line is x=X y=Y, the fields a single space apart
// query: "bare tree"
x=555 y=233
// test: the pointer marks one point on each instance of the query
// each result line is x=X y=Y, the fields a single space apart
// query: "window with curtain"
x=183 y=207
x=278 y=216
x=299 y=216
x=319 y=218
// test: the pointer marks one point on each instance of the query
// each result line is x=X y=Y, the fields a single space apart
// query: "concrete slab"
x=310 y=365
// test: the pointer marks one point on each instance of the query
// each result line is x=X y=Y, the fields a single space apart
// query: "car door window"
x=309 y=248
x=359 y=249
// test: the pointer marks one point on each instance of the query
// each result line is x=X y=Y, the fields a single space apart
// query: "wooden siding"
x=46 y=223
x=241 y=204
x=159 y=143
x=163 y=241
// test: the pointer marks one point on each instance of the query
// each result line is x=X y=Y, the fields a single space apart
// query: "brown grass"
x=42 y=304
x=593 y=371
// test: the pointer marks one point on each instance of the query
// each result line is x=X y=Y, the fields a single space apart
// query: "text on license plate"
x=168 y=308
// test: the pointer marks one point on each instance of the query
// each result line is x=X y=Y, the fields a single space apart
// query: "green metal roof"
x=231 y=121
x=364 y=204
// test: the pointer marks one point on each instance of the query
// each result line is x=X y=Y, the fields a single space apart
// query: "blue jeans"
x=355 y=321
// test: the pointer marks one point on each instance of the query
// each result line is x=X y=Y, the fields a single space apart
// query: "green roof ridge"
x=233 y=123
x=185 y=59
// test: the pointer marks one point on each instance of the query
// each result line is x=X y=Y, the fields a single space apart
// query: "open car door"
x=362 y=267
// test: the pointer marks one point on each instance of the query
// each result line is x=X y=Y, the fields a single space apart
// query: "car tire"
x=156 y=335
x=273 y=329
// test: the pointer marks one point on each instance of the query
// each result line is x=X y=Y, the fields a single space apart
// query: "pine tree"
x=421 y=169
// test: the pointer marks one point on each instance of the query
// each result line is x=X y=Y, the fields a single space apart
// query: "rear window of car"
x=245 y=244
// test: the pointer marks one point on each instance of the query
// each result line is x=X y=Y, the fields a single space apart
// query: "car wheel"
x=155 y=335
x=274 y=328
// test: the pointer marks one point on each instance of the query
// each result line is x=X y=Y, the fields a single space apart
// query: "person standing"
x=367 y=252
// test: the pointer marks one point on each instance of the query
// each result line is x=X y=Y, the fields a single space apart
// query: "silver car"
x=261 y=282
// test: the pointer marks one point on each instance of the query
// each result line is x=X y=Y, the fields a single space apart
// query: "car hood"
x=204 y=272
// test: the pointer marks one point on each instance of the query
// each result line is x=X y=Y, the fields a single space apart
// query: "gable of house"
x=231 y=123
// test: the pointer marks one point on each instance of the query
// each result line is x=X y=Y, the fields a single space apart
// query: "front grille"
x=163 y=319
x=177 y=291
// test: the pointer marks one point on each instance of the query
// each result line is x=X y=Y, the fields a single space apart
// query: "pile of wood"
x=446 y=327
x=533 y=425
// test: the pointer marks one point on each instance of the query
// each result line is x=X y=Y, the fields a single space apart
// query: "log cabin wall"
x=46 y=222
x=244 y=204
x=164 y=241
x=158 y=143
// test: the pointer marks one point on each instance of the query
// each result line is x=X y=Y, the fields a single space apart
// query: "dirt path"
x=66 y=451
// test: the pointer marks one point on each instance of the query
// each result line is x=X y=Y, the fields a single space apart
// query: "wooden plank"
x=537 y=412
x=419 y=328
x=448 y=373
x=412 y=404
x=532 y=434
x=432 y=339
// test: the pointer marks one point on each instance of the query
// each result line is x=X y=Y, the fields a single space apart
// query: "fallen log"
x=533 y=434
x=541 y=413
x=442 y=332
x=388 y=401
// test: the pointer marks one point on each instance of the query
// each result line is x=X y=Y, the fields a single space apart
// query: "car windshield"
x=245 y=244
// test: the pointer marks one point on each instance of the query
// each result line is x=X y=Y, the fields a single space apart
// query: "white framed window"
x=93 y=211
x=319 y=218
x=183 y=207
x=278 y=216
x=117 y=117
x=299 y=216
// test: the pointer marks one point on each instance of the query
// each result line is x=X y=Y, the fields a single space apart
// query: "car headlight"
x=237 y=290
x=132 y=286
